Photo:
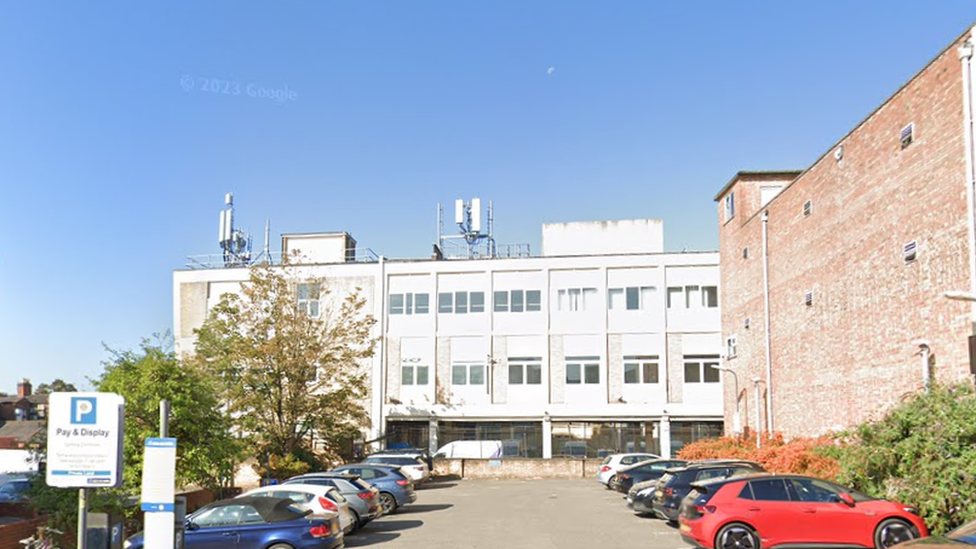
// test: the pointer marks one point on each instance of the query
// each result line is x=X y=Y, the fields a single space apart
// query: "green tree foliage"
x=207 y=450
x=289 y=376
x=56 y=386
x=922 y=453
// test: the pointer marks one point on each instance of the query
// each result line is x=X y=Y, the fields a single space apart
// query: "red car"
x=765 y=511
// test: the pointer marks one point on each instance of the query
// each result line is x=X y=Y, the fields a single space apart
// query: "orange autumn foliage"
x=805 y=456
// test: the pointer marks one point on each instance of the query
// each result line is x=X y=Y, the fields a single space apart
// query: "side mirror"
x=847 y=499
x=189 y=526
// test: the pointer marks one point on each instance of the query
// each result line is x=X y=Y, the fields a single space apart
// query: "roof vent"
x=911 y=251
x=808 y=298
x=807 y=208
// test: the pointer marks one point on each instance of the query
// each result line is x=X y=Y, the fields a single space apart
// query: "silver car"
x=363 y=497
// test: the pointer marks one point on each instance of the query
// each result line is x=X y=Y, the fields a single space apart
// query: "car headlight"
x=645 y=492
x=126 y=544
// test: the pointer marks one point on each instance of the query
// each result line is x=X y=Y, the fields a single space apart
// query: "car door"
x=215 y=528
x=822 y=516
x=769 y=509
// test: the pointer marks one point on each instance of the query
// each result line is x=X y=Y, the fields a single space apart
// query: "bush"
x=922 y=453
x=805 y=456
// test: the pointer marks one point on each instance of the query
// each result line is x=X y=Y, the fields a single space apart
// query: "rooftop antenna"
x=235 y=243
x=467 y=217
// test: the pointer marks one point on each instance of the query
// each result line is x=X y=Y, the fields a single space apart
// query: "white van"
x=470 y=449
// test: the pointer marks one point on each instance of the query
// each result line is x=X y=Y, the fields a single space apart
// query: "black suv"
x=665 y=501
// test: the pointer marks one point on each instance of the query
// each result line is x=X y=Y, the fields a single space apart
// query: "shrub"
x=806 y=456
x=922 y=453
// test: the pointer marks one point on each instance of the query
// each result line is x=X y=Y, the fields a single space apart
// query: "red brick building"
x=860 y=247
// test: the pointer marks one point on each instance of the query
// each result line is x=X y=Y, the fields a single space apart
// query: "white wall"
x=632 y=236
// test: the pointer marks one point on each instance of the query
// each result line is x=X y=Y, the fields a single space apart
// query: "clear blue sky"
x=112 y=171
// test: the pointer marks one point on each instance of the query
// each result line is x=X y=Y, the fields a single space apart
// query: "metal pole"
x=164 y=418
x=758 y=429
x=82 y=518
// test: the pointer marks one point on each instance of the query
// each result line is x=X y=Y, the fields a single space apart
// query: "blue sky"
x=114 y=159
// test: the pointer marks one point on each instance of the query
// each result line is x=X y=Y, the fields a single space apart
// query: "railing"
x=228 y=261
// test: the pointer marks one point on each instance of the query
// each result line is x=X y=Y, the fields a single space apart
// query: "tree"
x=288 y=373
x=207 y=450
x=56 y=386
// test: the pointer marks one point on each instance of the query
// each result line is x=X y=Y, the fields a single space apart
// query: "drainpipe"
x=965 y=57
x=769 y=362
x=924 y=350
x=379 y=385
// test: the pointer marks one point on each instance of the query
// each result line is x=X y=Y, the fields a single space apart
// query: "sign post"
x=158 y=492
x=84 y=445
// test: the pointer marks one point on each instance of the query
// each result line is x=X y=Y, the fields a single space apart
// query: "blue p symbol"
x=82 y=411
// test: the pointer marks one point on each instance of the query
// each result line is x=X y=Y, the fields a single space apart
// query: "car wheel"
x=281 y=546
x=356 y=523
x=736 y=536
x=612 y=482
x=389 y=502
x=892 y=531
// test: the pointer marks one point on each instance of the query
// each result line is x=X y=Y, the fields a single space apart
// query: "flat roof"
x=790 y=173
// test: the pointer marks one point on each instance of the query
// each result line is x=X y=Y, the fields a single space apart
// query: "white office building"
x=602 y=343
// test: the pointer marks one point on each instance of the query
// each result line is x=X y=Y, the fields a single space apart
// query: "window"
x=773 y=489
x=518 y=301
x=525 y=371
x=693 y=297
x=468 y=374
x=807 y=208
x=730 y=344
x=582 y=369
x=729 y=206
x=907 y=135
x=575 y=299
x=745 y=253
x=445 y=303
x=308 y=299
x=461 y=302
x=701 y=369
x=641 y=369
x=414 y=374
x=631 y=298
x=409 y=304
x=911 y=251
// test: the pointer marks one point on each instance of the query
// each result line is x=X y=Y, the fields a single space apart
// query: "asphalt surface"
x=563 y=514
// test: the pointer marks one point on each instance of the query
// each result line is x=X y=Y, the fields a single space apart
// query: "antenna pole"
x=267 y=241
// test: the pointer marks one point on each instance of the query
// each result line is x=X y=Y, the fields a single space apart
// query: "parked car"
x=607 y=472
x=363 y=497
x=956 y=539
x=14 y=489
x=257 y=523
x=644 y=471
x=395 y=487
x=415 y=469
x=320 y=499
x=795 y=510
x=470 y=449
x=676 y=483
x=416 y=453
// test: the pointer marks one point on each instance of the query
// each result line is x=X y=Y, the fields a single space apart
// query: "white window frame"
x=468 y=367
x=311 y=306
x=645 y=297
x=574 y=300
x=583 y=364
x=409 y=304
x=705 y=364
x=731 y=345
x=729 y=206
x=461 y=302
x=640 y=362
x=414 y=365
x=523 y=364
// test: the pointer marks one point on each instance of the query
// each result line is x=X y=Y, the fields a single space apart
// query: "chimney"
x=24 y=388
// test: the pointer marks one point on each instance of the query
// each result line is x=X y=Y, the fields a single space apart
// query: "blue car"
x=395 y=488
x=256 y=523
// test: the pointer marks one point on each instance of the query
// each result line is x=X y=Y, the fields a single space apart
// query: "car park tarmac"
x=564 y=514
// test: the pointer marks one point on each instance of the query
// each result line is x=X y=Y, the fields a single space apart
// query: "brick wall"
x=850 y=354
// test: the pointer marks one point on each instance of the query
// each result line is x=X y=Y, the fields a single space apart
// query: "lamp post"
x=736 y=422
x=756 y=381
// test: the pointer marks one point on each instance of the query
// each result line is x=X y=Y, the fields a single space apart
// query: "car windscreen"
x=393 y=460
